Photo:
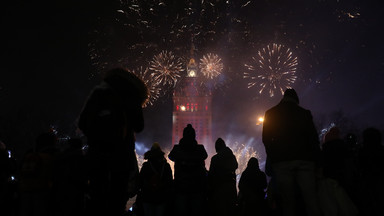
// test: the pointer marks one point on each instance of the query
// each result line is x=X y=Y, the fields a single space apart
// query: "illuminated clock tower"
x=192 y=105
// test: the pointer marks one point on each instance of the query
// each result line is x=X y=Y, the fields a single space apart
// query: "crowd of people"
x=303 y=175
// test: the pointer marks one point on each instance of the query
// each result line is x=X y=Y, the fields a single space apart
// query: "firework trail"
x=146 y=27
x=176 y=21
x=273 y=69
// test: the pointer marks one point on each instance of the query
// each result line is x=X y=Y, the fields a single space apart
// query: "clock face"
x=191 y=73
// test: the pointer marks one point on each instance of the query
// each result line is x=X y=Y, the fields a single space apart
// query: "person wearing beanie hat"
x=292 y=146
x=190 y=174
x=189 y=132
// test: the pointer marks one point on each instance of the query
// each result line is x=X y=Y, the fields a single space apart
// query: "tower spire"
x=192 y=51
x=192 y=66
x=192 y=105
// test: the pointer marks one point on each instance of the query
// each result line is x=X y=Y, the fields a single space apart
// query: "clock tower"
x=192 y=105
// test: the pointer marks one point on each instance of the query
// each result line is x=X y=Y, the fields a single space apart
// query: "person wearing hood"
x=155 y=182
x=252 y=184
x=190 y=174
x=293 y=148
x=110 y=118
x=222 y=180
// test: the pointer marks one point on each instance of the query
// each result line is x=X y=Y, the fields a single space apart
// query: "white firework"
x=211 y=65
x=273 y=69
x=153 y=88
x=166 y=68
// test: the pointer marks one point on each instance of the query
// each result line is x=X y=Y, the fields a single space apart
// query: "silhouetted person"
x=222 y=181
x=111 y=117
x=337 y=167
x=36 y=177
x=273 y=198
x=353 y=172
x=372 y=166
x=155 y=182
x=335 y=157
x=252 y=184
x=70 y=180
x=291 y=142
x=190 y=174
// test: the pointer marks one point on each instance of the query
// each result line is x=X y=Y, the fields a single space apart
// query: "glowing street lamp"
x=260 y=120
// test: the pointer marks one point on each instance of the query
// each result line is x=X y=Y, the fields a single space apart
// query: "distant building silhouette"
x=192 y=105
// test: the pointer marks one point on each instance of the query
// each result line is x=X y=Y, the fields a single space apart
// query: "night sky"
x=54 y=53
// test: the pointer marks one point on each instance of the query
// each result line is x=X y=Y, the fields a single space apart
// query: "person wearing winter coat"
x=292 y=146
x=252 y=184
x=155 y=182
x=110 y=118
x=222 y=180
x=335 y=158
x=190 y=174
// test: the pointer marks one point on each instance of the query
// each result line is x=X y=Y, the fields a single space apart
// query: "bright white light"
x=192 y=73
x=260 y=120
x=182 y=108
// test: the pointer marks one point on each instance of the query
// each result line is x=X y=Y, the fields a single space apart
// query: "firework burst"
x=211 y=65
x=153 y=88
x=243 y=153
x=273 y=69
x=166 y=68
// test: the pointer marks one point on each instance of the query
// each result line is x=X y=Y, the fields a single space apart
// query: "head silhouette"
x=155 y=147
x=219 y=145
x=253 y=163
x=127 y=83
x=155 y=152
x=189 y=133
x=290 y=94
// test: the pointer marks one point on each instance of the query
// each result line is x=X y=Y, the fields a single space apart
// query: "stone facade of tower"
x=192 y=105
